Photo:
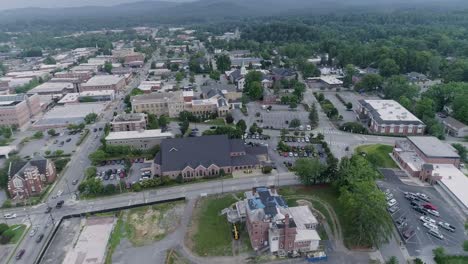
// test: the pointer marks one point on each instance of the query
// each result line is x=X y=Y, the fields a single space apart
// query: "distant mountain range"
x=208 y=10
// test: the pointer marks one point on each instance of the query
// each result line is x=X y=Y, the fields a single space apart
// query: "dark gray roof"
x=427 y=166
x=283 y=72
x=257 y=150
x=236 y=74
x=178 y=153
x=19 y=166
x=452 y=122
x=237 y=145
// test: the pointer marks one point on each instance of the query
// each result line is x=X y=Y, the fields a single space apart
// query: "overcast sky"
x=11 y=4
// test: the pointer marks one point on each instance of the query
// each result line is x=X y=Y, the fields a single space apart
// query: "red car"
x=430 y=206
x=285 y=154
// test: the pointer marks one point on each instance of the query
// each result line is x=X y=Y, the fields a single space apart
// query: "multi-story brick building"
x=273 y=225
x=206 y=156
x=83 y=76
x=18 y=109
x=389 y=117
x=170 y=104
x=129 y=122
x=104 y=82
x=26 y=179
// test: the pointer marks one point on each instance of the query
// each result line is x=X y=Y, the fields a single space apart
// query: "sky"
x=12 y=4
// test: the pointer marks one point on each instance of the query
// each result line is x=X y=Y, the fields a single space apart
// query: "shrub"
x=267 y=169
x=465 y=245
x=136 y=187
x=3 y=227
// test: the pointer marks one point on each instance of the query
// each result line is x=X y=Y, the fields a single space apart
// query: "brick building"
x=26 y=179
x=206 y=156
x=273 y=225
x=170 y=104
x=18 y=109
x=129 y=122
x=389 y=117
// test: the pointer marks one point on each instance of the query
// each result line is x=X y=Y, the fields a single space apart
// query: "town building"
x=87 y=97
x=206 y=156
x=454 y=127
x=433 y=161
x=141 y=139
x=83 y=76
x=170 y=104
x=388 y=117
x=62 y=116
x=26 y=179
x=129 y=122
x=273 y=225
x=150 y=86
x=54 y=88
x=104 y=82
x=18 y=109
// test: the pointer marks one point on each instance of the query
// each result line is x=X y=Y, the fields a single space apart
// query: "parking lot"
x=420 y=242
x=280 y=116
x=51 y=143
x=115 y=171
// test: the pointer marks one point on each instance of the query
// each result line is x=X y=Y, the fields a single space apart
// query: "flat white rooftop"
x=103 y=80
x=390 y=110
x=454 y=180
x=331 y=80
x=52 y=87
x=144 y=134
x=433 y=147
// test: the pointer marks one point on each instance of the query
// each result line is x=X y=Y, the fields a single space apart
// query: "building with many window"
x=104 y=82
x=26 y=179
x=389 y=117
x=141 y=139
x=129 y=122
x=18 y=109
x=170 y=104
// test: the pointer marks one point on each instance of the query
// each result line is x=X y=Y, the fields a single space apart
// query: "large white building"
x=389 y=117
x=142 y=139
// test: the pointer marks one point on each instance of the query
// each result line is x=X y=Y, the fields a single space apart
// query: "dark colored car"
x=20 y=254
x=94 y=130
x=60 y=204
x=75 y=182
x=39 y=238
x=68 y=140
x=48 y=209
x=420 y=210
x=408 y=233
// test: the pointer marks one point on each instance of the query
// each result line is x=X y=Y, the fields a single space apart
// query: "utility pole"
x=222 y=186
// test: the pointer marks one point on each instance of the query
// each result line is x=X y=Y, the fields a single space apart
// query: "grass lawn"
x=18 y=232
x=378 y=155
x=454 y=260
x=213 y=232
x=216 y=122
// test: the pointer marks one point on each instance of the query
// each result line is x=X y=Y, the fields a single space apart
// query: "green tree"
x=108 y=67
x=253 y=128
x=49 y=61
x=350 y=71
x=241 y=125
x=179 y=77
x=51 y=132
x=392 y=260
x=310 y=70
x=369 y=82
x=309 y=171
x=462 y=151
x=295 y=123
x=229 y=118
x=349 y=106
x=313 y=116
x=366 y=208
x=424 y=108
x=90 y=118
x=223 y=62
x=388 y=67
x=98 y=156
x=255 y=91
x=3 y=227
x=163 y=121
x=38 y=135
x=397 y=86
x=215 y=75
x=192 y=78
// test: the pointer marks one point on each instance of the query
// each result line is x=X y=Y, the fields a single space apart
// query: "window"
x=17 y=183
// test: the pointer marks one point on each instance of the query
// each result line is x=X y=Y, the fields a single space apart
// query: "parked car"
x=436 y=233
x=432 y=212
x=401 y=221
x=48 y=209
x=68 y=140
x=430 y=206
x=393 y=209
x=391 y=203
x=39 y=238
x=419 y=209
x=20 y=254
x=408 y=233
x=9 y=216
x=427 y=219
x=423 y=197
x=74 y=182
x=447 y=226
x=33 y=232
x=430 y=226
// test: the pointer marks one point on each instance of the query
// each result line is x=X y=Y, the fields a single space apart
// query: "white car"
x=435 y=233
x=433 y=212
x=430 y=226
x=309 y=128
x=33 y=232
x=447 y=226
x=59 y=193
x=391 y=203
x=9 y=216
x=423 y=196
x=427 y=219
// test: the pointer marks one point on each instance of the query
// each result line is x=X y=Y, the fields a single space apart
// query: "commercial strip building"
x=104 y=82
x=274 y=226
x=388 y=117
x=53 y=88
x=454 y=127
x=62 y=116
x=434 y=162
x=206 y=156
x=87 y=97
x=129 y=122
x=18 y=109
x=141 y=139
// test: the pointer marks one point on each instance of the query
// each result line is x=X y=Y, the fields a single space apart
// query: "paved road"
x=190 y=191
